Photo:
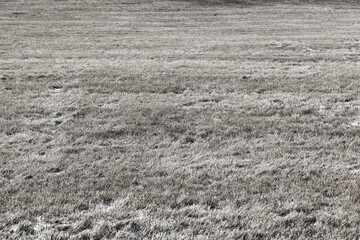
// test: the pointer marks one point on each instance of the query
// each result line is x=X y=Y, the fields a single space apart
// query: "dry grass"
x=179 y=120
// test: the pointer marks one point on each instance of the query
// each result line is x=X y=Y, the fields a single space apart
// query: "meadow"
x=165 y=119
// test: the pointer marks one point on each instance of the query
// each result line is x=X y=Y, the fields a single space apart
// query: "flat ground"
x=179 y=119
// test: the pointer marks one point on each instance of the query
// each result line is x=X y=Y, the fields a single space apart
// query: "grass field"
x=173 y=119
